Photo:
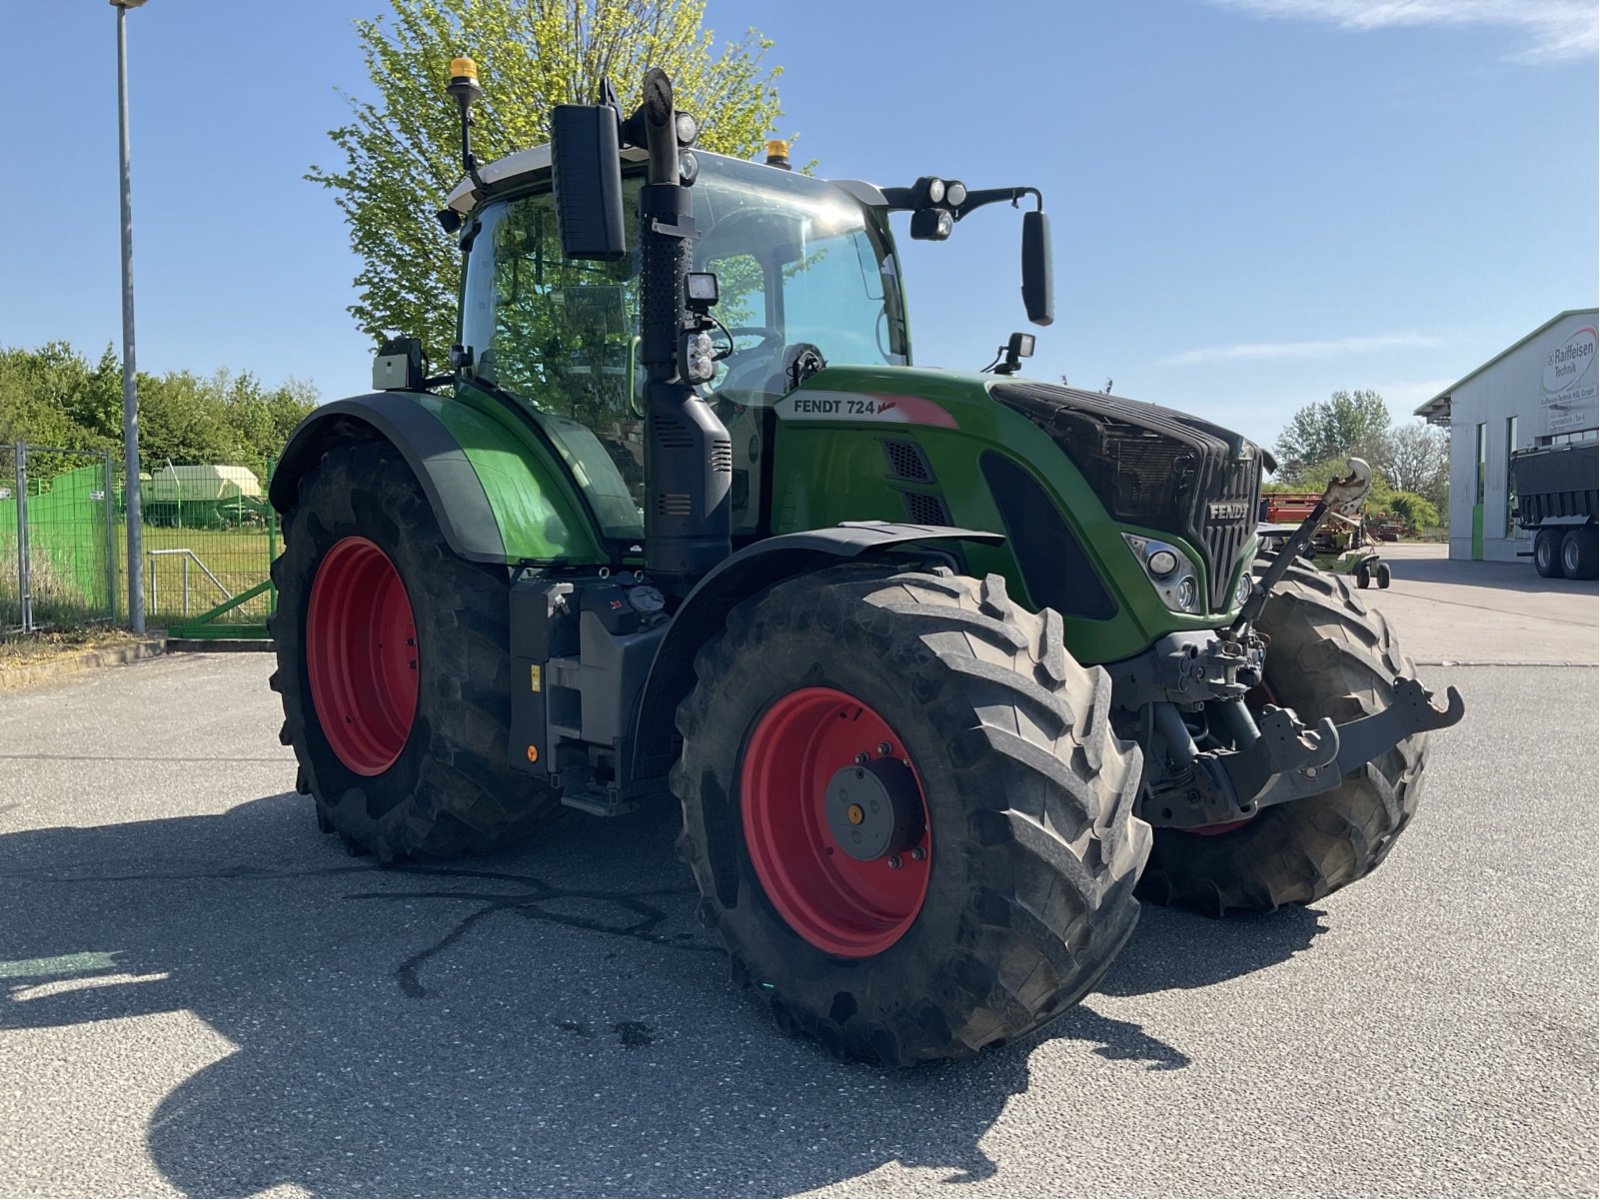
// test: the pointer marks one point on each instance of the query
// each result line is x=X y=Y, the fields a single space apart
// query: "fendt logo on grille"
x=1227 y=510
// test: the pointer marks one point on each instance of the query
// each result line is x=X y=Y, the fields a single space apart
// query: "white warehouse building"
x=1539 y=392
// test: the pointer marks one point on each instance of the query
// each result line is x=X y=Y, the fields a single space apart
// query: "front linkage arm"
x=1276 y=757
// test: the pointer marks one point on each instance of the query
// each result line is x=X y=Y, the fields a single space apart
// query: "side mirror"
x=587 y=174
x=1038 y=289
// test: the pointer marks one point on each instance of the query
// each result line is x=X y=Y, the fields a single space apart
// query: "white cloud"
x=1552 y=30
x=1321 y=349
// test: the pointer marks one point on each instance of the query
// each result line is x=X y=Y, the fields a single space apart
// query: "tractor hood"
x=1155 y=467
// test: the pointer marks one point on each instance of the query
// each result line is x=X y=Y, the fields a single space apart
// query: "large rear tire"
x=992 y=885
x=393 y=667
x=1330 y=657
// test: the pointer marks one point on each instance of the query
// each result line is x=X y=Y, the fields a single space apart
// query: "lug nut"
x=918 y=854
x=895 y=862
x=884 y=749
x=861 y=759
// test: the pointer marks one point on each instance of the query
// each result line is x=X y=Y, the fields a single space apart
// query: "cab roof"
x=464 y=196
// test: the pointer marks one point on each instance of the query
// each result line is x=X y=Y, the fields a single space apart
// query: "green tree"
x=1347 y=423
x=1416 y=458
x=402 y=150
x=52 y=397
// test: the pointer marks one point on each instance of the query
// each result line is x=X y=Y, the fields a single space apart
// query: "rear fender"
x=498 y=497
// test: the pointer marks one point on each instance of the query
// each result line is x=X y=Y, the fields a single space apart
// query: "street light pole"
x=130 y=393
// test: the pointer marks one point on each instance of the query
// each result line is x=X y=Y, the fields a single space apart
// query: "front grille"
x=1155 y=467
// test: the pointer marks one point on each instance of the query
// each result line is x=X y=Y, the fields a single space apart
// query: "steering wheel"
x=766 y=334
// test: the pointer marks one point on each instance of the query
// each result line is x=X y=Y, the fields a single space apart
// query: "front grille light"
x=1170 y=571
x=1242 y=591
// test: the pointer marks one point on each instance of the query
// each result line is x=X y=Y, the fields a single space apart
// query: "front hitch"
x=1280 y=758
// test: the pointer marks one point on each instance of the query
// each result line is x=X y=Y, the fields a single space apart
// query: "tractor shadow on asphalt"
x=546 y=1020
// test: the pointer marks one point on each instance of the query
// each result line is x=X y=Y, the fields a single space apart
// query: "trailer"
x=1555 y=500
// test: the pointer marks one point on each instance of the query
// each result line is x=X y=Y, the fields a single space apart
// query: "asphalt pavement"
x=202 y=995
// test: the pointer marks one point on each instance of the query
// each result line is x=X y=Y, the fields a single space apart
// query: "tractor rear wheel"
x=393 y=666
x=1329 y=657
x=906 y=812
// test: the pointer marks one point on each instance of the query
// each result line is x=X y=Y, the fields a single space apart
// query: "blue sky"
x=1254 y=202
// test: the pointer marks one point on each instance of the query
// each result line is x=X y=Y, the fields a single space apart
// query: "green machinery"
x=946 y=670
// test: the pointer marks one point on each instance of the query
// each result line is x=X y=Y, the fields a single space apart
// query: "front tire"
x=393 y=667
x=1004 y=796
x=1330 y=657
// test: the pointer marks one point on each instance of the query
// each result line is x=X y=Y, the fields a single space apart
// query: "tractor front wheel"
x=1329 y=657
x=906 y=812
x=393 y=666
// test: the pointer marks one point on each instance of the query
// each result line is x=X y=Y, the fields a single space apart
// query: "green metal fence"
x=57 y=557
x=209 y=539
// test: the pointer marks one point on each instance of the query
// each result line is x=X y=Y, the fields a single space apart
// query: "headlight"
x=1187 y=593
x=1242 y=592
x=1162 y=563
x=1170 y=571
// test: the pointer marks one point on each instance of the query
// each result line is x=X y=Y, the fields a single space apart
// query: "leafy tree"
x=402 y=151
x=1416 y=511
x=52 y=396
x=1314 y=477
x=1346 y=423
x=1416 y=458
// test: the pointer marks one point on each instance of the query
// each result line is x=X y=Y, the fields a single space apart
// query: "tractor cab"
x=806 y=275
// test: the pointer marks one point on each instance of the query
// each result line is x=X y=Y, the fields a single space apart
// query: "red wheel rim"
x=840 y=904
x=361 y=656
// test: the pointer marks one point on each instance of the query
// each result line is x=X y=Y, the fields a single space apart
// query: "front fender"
x=754 y=568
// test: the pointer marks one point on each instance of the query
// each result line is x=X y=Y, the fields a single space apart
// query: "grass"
x=177 y=586
x=239 y=558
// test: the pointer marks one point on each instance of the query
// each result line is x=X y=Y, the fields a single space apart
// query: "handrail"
x=189 y=556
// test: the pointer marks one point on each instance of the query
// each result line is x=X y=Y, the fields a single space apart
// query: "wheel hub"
x=874 y=810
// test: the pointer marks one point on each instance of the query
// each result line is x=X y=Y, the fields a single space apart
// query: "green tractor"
x=946 y=670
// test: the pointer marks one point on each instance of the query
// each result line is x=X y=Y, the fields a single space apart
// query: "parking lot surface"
x=200 y=994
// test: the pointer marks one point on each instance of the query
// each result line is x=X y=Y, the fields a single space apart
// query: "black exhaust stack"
x=688 y=454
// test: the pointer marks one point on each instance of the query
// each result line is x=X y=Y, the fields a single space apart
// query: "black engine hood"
x=1156 y=467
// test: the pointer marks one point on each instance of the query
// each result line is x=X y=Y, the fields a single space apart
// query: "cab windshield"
x=800 y=264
